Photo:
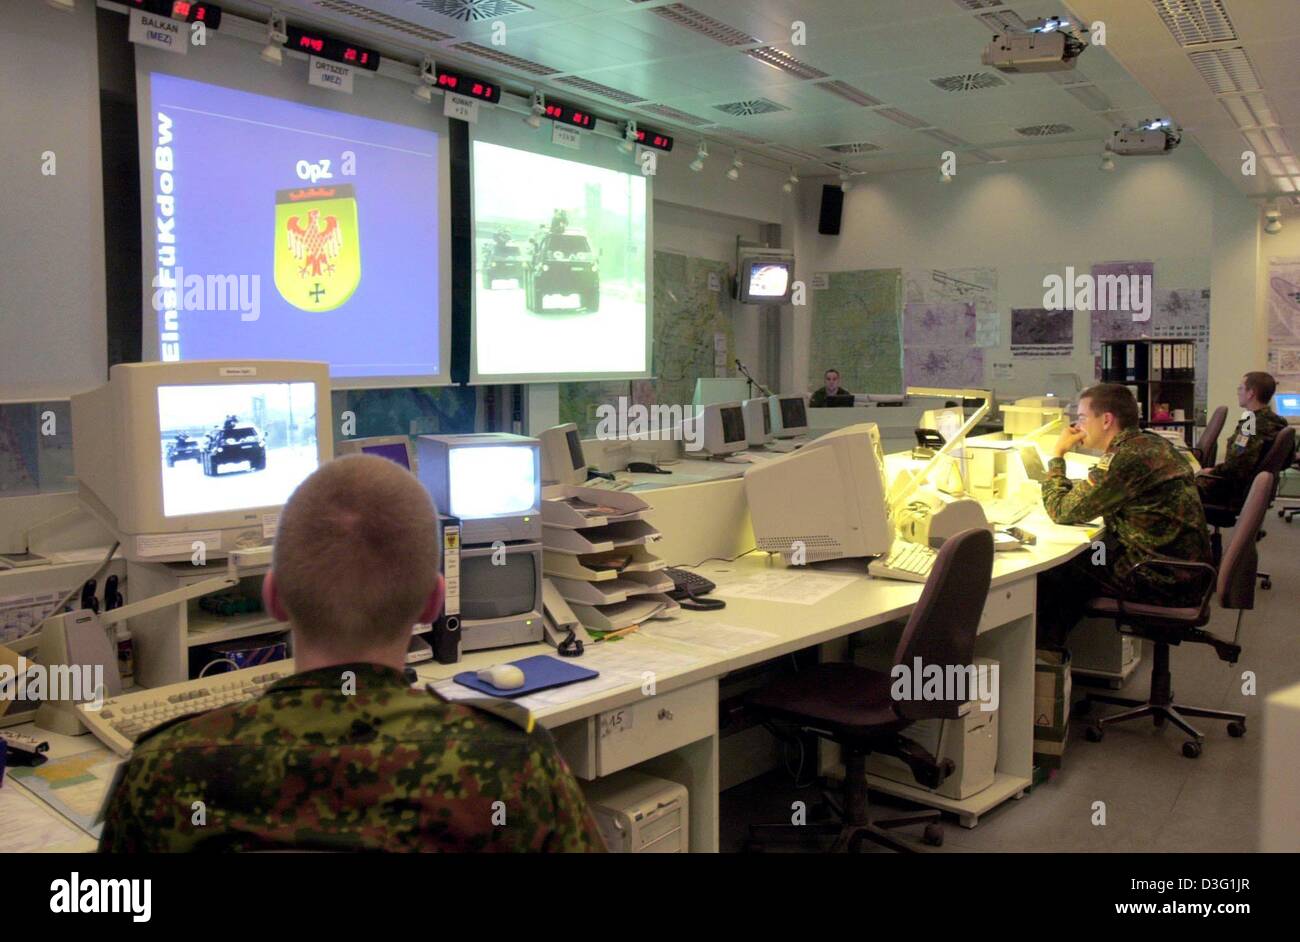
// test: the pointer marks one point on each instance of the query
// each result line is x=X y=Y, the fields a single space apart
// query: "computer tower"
x=640 y=814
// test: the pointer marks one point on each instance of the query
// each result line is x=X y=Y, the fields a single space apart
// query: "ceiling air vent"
x=1195 y=22
x=902 y=117
x=857 y=147
x=784 y=62
x=1044 y=130
x=849 y=93
x=943 y=137
x=790 y=153
x=1004 y=22
x=968 y=82
x=504 y=58
x=474 y=11
x=706 y=26
x=664 y=111
x=604 y=91
x=1226 y=70
x=978 y=4
x=357 y=11
x=752 y=106
x=1249 y=111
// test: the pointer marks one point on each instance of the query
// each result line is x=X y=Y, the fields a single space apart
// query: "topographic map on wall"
x=855 y=330
x=939 y=344
x=35 y=448
x=1284 y=321
x=692 y=325
x=977 y=286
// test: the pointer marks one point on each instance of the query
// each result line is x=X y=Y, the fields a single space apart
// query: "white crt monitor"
x=758 y=421
x=828 y=496
x=563 y=461
x=723 y=428
x=492 y=481
x=171 y=453
x=789 y=415
x=396 y=448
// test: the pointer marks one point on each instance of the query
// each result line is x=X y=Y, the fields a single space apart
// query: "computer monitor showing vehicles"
x=207 y=450
x=825 y=501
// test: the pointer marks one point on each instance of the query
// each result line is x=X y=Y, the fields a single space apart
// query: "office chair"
x=1166 y=625
x=1280 y=454
x=853 y=706
x=1206 y=450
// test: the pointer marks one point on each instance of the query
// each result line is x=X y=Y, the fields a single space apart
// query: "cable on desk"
x=724 y=559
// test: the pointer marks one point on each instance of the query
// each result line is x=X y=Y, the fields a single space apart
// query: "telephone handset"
x=559 y=624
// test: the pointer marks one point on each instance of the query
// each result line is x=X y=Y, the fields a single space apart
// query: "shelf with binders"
x=1162 y=377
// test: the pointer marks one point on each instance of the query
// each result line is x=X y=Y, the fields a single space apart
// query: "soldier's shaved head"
x=356 y=556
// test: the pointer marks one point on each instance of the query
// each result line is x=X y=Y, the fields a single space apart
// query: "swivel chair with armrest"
x=853 y=706
x=1280 y=454
x=1167 y=625
x=1206 y=450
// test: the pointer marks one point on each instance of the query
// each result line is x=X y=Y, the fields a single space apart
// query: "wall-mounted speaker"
x=832 y=209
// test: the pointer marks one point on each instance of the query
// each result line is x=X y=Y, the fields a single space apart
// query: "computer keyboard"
x=1006 y=512
x=910 y=562
x=125 y=718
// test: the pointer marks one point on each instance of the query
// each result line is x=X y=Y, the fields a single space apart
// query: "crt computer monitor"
x=828 y=497
x=789 y=415
x=492 y=481
x=500 y=595
x=208 y=450
x=563 y=460
x=396 y=448
x=758 y=421
x=722 y=428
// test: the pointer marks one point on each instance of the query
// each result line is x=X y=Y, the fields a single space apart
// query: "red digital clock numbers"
x=568 y=115
x=209 y=14
x=327 y=47
x=647 y=138
x=464 y=85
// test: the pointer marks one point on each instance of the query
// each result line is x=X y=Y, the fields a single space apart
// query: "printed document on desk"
x=714 y=637
x=795 y=586
x=74 y=786
x=32 y=828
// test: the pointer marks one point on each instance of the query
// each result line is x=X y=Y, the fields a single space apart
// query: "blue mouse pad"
x=540 y=673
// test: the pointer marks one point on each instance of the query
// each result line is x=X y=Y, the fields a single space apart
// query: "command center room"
x=647 y=427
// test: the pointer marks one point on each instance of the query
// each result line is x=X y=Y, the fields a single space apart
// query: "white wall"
x=1033 y=218
x=52 y=318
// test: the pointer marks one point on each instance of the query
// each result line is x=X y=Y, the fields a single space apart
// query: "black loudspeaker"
x=832 y=209
x=445 y=639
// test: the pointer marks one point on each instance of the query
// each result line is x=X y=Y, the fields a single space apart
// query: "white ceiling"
x=641 y=59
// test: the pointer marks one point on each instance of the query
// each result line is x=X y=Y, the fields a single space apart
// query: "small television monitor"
x=829 y=496
x=765 y=279
x=721 y=426
x=1288 y=406
x=563 y=461
x=492 y=481
x=396 y=448
x=207 y=450
x=500 y=595
x=758 y=421
x=789 y=415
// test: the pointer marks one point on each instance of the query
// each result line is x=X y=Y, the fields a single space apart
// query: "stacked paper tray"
x=575 y=508
x=599 y=539
x=593 y=568
x=625 y=614
x=626 y=586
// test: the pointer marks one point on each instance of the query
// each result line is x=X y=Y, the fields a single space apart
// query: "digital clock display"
x=648 y=138
x=209 y=14
x=567 y=114
x=467 y=85
x=328 y=47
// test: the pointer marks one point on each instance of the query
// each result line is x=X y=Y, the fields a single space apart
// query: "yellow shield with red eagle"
x=317 y=249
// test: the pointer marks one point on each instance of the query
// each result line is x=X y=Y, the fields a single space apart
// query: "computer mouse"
x=645 y=467
x=502 y=676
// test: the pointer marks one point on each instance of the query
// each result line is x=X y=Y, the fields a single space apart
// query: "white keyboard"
x=911 y=562
x=125 y=718
x=1006 y=512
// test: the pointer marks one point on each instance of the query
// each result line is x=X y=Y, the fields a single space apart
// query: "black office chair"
x=1207 y=446
x=852 y=705
x=1166 y=625
x=1280 y=454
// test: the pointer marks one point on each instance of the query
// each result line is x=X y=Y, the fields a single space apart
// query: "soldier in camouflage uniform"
x=1228 y=481
x=345 y=754
x=1143 y=490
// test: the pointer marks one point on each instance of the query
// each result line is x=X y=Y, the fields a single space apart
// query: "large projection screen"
x=562 y=260
x=285 y=221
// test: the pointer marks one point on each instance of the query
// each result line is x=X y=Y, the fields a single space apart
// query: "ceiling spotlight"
x=534 y=119
x=733 y=172
x=424 y=84
x=1107 y=162
x=1272 y=220
x=277 y=34
x=790 y=181
x=700 y=153
x=628 y=144
x=845 y=185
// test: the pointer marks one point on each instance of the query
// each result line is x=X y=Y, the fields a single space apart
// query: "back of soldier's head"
x=356 y=552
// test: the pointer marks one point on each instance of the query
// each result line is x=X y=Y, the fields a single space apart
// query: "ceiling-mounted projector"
x=1050 y=45
x=1147 y=139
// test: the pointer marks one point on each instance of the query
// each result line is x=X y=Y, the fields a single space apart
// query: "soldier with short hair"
x=345 y=754
x=1228 y=481
x=1143 y=490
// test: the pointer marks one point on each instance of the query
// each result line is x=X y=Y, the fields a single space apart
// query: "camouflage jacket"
x=1245 y=452
x=1146 y=495
x=308 y=766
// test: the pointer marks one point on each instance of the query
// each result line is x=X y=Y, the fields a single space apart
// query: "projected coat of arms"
x=317 y=252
